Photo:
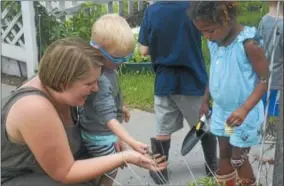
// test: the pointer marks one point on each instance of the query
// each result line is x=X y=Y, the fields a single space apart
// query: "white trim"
x=28 y=15
x=14 y=52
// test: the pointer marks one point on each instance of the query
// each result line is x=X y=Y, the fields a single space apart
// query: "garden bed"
x=136 y=67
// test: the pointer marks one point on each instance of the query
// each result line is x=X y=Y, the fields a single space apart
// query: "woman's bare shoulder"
x=31 y=111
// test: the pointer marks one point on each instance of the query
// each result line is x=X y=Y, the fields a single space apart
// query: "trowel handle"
x=206 y=117
x=209 y=114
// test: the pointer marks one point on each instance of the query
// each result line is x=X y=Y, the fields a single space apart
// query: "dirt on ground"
x=12 y=80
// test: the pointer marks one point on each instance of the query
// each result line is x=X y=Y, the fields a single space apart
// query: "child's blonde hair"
x=113 y=34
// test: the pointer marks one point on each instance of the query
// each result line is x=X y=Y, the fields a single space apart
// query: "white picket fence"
x=72 y=6
x=18 y=36
x=19 y=47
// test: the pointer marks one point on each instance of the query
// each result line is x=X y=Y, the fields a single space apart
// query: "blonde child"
x=103 y=112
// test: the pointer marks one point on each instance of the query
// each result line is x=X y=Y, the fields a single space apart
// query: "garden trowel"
x=195 y=134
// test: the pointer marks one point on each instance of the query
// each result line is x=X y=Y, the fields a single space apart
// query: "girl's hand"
x=145 y=161
x=140 y=147
x=126 y=114
x=237 y=117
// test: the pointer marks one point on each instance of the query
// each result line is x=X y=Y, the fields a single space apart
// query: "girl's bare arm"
x=260 y=65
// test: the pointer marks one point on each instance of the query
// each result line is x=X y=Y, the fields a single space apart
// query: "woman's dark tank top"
x=17 y=159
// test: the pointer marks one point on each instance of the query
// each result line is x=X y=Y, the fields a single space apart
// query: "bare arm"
x=41 y=129
x=206 y=97
x=120 y=131
x=260 y=64
x=205 y=104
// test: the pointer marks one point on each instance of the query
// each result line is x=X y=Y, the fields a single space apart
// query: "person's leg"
x=97 y=151
x=244 y=137
x=189 y=107
x=226 y=174
x=169 y=120
x=36 y=179
x=107 y=179
x=240 y=161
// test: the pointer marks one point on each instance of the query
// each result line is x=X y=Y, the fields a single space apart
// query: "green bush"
x=251 y=12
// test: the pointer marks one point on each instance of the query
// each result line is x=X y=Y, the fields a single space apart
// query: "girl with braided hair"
x=238 y=81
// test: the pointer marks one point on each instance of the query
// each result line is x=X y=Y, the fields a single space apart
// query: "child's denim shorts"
x=247 y=134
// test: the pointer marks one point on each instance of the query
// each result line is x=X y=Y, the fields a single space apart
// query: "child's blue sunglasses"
x=112 y=59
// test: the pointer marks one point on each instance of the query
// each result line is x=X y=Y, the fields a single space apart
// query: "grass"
x=138 y=90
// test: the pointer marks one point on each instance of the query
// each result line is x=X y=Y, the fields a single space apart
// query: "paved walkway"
x=142 y=126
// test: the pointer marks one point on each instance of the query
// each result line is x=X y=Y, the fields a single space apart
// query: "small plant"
x=137 y=57
x=206 y=181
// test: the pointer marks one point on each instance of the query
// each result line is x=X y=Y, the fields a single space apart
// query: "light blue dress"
x=232 y=81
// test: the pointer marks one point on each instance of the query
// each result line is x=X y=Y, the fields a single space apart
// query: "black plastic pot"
x=134 y=67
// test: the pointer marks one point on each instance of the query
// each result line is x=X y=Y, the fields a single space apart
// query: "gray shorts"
x=171 y=110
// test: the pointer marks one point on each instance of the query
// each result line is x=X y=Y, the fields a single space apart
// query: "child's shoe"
x=245 y=182
x=228 y=179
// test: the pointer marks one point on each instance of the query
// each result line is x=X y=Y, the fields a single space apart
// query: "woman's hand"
x=237 y=117
x=157 y=163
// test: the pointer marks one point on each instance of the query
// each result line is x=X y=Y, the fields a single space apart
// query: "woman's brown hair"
x=66 y=61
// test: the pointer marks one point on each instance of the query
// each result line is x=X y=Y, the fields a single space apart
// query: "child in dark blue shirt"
x=174 y=44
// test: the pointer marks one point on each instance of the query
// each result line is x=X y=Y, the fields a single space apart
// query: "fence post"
x=120 y=8
x=28 y=16
x=140 y=5
x=130 y=7
x=110 y=7
x=74 y=2
x=278 y=165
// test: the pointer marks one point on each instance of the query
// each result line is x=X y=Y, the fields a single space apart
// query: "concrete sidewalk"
x=142 y=127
